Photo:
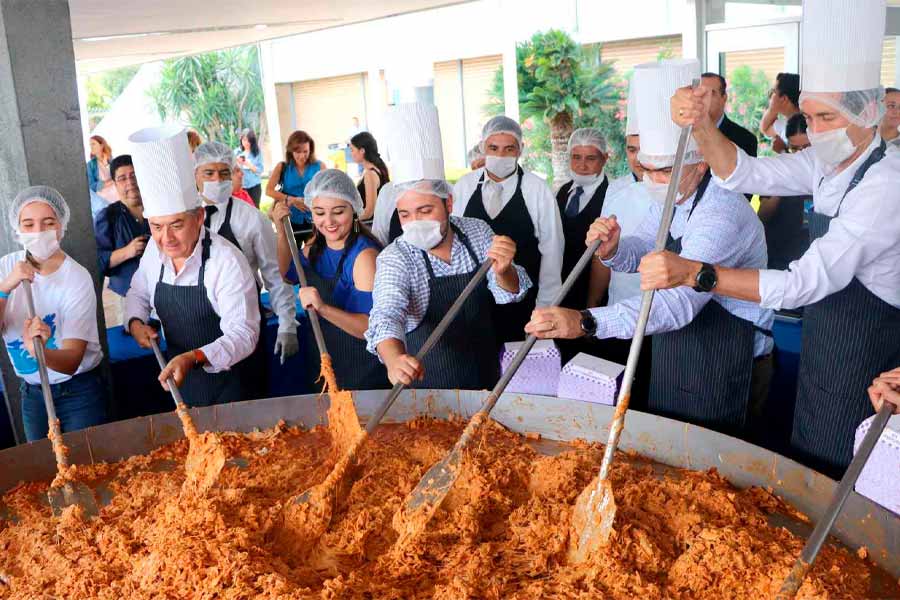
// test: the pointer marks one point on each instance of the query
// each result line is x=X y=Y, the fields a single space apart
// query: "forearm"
x=64 y=360
x=598 y=283
x=353 y=323
x=509 y=280
x=391 y=349
x=718 y=151
x=741 y=284
x=117 y=257
x=767 y=121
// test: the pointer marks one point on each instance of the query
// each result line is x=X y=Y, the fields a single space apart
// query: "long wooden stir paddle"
x=434 y=486
x=595 y=507
x=816 y=540
x=309 y=514
x=64 y=490
x=206 y=456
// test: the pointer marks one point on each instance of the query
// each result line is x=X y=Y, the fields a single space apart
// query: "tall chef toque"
x=164 y=170
x=654 y=85
x=841 y=57
x=413 y=142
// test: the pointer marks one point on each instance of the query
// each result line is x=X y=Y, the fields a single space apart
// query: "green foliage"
x=558 y=78
x=104 y=88
x=217 y=93
x=748 y=99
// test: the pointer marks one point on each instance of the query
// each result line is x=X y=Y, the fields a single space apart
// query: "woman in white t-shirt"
x=65 y=307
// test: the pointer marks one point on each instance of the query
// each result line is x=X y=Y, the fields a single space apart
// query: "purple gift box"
x=539 y=372
x=879 y=481
x=590 y=379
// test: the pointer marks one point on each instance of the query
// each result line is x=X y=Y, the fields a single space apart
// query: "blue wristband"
x=3 y=295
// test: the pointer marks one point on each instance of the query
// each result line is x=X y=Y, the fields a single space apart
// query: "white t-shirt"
x=65 y=300
x=630 y=205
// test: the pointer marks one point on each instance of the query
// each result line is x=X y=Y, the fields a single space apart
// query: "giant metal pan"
x=862 y=522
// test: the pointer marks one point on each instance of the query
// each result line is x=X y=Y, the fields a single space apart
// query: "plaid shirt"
x=400 y=296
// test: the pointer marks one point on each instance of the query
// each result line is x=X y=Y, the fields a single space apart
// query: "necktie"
x=491 y=198
x=572 y=206
x=210 y=211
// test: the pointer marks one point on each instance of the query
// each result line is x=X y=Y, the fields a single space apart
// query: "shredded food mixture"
x=503 y=531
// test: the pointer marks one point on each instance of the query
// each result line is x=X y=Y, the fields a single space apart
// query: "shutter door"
x=889 y=62
x=450 y=115
x=768 y=60
x=628 y=53
x=325 y=108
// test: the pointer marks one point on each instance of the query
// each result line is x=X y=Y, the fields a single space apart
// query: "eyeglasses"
x=124 y=178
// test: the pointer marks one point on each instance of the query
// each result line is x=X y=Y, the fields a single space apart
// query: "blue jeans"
x=80 y=402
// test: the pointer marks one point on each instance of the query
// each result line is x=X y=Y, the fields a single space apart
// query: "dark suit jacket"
x=742 y=138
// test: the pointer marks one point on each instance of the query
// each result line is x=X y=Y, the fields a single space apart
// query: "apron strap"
x=204 y=256
x=876 y=156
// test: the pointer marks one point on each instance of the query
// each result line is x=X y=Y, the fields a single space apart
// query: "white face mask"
x=586 y=180
x=423 y=234
x=832 y=147
x=657 y=191
x=501 y=166
x=217 y=192
x=41 y=245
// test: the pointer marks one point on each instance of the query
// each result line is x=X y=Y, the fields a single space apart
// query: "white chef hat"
x=164 y=170
x=655 y=83
x=841 y=57
x=413 y=142
x=631 y=117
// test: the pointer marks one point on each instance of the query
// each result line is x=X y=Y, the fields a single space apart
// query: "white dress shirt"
x=723 y=230
x=631 y=205
x=863 y=240
x=256 y=236
x=587 y=194
x=617 y=185
x=230 y=287
x=541 y=205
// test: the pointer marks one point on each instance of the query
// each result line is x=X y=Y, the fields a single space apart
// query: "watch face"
x=707 y=280
x=588 y=324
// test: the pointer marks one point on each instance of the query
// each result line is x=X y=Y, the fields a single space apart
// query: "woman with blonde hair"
x=99 y=178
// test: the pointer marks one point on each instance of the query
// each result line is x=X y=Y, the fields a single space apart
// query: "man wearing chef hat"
x=251 y=232
x=197 y=282
x=706 y=348
x=849 y=279
x=517 y=204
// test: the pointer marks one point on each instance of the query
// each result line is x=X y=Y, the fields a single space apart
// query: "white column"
x=375 y=104
x=270 y=98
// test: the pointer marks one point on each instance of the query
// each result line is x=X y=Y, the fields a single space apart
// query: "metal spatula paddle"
x=429 y=494
x=311 y=511
x=64 y=491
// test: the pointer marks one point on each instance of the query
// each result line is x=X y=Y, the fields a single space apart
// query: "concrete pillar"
x=39 y=116
x=697 y=15
x=270 y=99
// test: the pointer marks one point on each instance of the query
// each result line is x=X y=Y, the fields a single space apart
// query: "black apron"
x=355 y=368
x=466 y=356
x=190 y=322
x=701 y=373
x=515 y=222
x=255 y=379
x=848 y=339
x=575 y=231
x=395 y=230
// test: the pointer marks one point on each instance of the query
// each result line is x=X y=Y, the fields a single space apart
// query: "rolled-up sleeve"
x=234 y=291
x=481 y=236
x=783 y=175
x=390 y=300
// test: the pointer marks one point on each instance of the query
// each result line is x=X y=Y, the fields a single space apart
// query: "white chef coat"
x=542 y=207
x=384 y=210
x=863 y=240
x=587 y=194
x=230 y=287
x=65 y=301
x=630 y=204
x=256 y=236
x=617 y=185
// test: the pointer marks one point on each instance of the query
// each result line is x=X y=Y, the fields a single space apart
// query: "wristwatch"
x=588 y=323
x=706 y=278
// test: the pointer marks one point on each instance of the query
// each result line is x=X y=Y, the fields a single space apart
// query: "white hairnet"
x=501 y=124
x=587 y=136
x=39 y=193
x=434 y=187
x=333 y=183
x=861 y=107
x=213 y=152
x=474 y=153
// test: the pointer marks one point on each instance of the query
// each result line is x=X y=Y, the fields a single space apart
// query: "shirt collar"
x=720 y=121
x=589 y=189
